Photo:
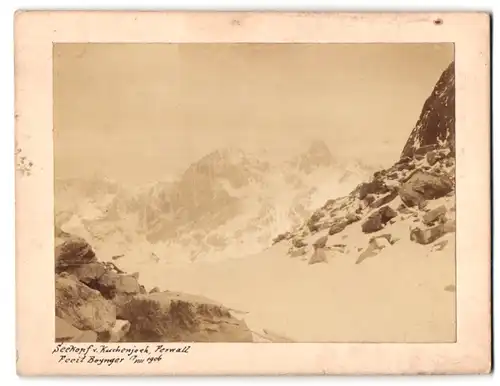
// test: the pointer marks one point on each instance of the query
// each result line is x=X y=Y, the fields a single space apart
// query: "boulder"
x=81 y=306
x=119 y=330
x=318 y=256
x=434 y=156
x=434 y=215
x=337 y=227
x=377 y=220
x=321 y=242
x=436 y=124
x=154 y=289
x=375 y=245
x=376 y=186
x=88 y=274
x=175 y=317
x=352 y=218
x=281 y=237
x=421 y=186
x=384 y=200
x=340 y=224
x=368 y=200
x=72 y=252
x=423 y=150
x=111 y=284
x=427 y=236
x=65 y=332
x=316 y=216
x=298 y=243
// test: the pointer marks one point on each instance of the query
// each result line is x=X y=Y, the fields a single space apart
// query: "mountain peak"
x=317 y=154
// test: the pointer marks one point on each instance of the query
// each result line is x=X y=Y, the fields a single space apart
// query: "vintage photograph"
x=254 y=192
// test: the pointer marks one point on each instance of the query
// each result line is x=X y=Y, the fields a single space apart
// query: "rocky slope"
x=411 y=202
x=436 y=125
x=418 y=192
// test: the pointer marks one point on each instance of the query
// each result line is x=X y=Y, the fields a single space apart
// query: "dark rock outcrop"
x=436 y=124
x=377 y=220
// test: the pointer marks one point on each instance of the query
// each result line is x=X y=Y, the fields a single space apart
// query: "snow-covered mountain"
x=228 y=204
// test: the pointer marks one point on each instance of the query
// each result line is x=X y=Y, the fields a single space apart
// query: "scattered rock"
x=427 y=236
x=384 y=200
x=450 y=226
x=281 y=237
x=386 y=236
x=377 y=220
x=352 y=218
x=111 y=284
x=375 y=245
x=436 y=123
x=402 y=208
x=119 y=330
x=88 y=274
x=321 y=242
x=423 y=150
x=440 y=245
x=318 y=256
x=297 y=252
x=81 y=306
x=434 y=215
x=422 y=186
x=175 y=317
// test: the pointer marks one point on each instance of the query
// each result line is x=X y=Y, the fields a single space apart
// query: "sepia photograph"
x=254 y=192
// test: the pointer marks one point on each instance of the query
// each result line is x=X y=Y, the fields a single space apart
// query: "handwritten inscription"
x=106 y=355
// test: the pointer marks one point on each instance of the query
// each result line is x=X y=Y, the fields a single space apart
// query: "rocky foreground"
x=407 y=205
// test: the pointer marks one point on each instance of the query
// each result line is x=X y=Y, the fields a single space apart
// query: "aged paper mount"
x=458 y=341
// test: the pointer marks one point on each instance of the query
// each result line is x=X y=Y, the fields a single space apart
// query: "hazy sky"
x=137 y=112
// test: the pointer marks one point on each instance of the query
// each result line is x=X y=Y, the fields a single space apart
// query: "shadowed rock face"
x=437 y=119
